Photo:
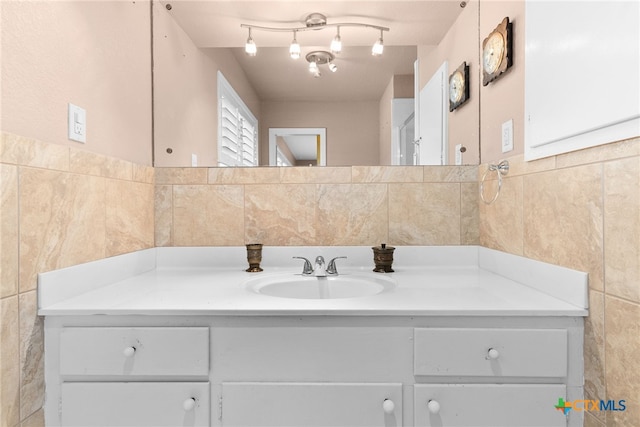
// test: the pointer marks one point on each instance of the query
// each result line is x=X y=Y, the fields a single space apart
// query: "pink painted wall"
x=503 y=99
x=352 y=128
x=460 y=44
x=92 y=54
x=185 y=94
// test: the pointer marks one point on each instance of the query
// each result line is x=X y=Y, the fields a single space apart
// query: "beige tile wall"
x=582 y=210
x=59 y=207
x=360 y=205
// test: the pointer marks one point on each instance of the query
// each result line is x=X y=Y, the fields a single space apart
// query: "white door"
x=432 y=129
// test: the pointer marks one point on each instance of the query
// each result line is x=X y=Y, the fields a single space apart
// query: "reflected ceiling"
x=277 y=77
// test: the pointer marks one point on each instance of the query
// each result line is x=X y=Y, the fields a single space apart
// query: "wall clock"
x=459 y=86
x=497 y=53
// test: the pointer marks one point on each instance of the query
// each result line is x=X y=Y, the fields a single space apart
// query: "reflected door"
x=432 y=140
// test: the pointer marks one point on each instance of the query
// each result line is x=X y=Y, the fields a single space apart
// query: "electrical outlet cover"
x=507 y=136
x=77 y=117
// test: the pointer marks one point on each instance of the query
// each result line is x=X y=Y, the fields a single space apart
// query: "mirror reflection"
x=374 y=109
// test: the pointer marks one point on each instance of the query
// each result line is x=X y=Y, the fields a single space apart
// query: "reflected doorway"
x=297 y=146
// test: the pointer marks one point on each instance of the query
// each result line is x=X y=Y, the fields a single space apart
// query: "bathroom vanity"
x=457 y=336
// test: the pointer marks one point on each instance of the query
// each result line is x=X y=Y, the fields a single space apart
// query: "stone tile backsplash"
x=360 y=205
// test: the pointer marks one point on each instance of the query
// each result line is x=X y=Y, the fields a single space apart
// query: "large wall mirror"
x=363 y=105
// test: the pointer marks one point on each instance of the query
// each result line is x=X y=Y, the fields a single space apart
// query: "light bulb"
x=378 y=47
x=336 y=43
x=333 y=67
x=250 y=47
x=294 y=48
x=313 y=66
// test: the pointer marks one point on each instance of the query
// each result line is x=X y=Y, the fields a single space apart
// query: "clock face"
x=456 y=87
x=492 y=53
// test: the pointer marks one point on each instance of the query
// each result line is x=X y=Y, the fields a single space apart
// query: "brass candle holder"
x=383 y=258
x=254 y=256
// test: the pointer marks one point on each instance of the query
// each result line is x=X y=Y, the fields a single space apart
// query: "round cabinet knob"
x=388 y=406
x=493 y=353
x=434 y=406
x=189 y=404
x=129 y=351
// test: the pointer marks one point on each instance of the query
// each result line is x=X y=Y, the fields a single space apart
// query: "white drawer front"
x=491 y=352
x=135 y=404
x=134 y=351
x=480 y=405
x=310 y=404
x=294 y=354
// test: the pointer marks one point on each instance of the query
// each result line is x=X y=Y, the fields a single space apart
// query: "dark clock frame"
x=464 y=69
x=505 y=28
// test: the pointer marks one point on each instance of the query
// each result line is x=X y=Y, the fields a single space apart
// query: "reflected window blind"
x=238 y=129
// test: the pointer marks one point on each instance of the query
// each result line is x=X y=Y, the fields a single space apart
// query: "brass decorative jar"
x=383 y=258
x=254 y=256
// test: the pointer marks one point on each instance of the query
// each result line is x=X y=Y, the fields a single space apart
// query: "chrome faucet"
x=319 y=269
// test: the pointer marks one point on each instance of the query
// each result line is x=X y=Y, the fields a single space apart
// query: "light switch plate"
x=458 y=154
x=77 y=118
x=194 y=160
x=507 y=136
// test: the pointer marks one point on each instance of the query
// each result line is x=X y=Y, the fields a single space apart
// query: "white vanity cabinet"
x=387 y=371
x=128 y=376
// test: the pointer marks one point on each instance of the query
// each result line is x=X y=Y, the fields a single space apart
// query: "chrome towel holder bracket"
x=502 y=168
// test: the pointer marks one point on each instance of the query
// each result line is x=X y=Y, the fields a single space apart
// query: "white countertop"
x=430 y=281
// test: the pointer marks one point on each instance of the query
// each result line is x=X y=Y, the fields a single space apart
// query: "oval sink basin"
x=310 y=287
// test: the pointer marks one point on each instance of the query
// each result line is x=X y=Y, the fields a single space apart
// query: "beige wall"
x=186 y=94
x=359 y=205
x=92 y=54
x=352 y=128
x=503 y=99
x=459 y=45
x=59 y=207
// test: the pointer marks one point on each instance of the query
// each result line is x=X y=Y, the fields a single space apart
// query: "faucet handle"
x=331 y=268
x=308 y=268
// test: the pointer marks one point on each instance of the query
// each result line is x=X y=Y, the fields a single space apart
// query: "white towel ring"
x=501 y=168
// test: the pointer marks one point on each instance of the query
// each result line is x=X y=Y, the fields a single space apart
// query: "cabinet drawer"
x=490 y=352
x=480 y=405
x=134 y=404
x=310 y=404
x=134 y=351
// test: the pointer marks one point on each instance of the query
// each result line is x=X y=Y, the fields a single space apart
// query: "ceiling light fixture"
x=294 y=48
x=336 y=43
x=314 y=22
x=378 y=47
x=250 y=48
x=320 y=57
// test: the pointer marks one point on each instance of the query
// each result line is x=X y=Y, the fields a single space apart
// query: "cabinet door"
x=311 y=404
x=135 y=404
x=479 y=405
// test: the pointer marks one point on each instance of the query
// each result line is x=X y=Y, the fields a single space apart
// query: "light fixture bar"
x=315 y=28
x=314 y=22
